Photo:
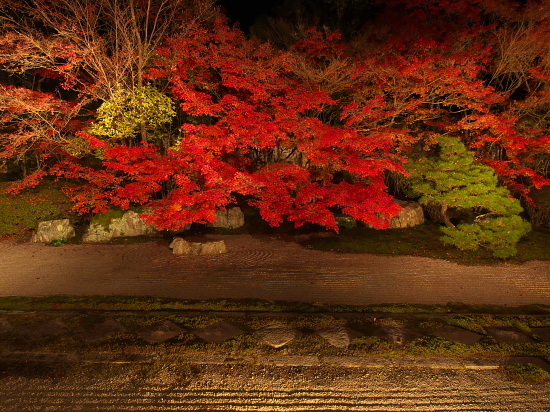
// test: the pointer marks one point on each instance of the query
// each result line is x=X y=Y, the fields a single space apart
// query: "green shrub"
x=57 y=242
x=453 y=179
x=526 y=373
x=21 y=213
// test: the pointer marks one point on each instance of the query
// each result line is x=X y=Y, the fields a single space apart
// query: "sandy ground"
x=266 y=268
x=167 y=387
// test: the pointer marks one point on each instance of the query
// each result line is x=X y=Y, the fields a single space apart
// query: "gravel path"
x=255 y=388
x=266 y=268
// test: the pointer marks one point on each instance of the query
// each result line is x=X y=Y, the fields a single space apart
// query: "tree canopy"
x=164 y=104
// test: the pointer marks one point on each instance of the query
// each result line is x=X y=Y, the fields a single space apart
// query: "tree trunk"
x=140 y=63
x=446 y=219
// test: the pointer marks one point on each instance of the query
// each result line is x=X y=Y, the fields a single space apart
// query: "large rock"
x=51 y=230
x=130 y=224
x=229 y=219
x=411 y=215
x=183 y=247
x=346 y=222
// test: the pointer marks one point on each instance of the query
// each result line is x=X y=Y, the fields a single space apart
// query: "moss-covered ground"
x=424 y=241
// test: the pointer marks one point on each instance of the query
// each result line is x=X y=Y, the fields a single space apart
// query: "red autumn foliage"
x=303 y=133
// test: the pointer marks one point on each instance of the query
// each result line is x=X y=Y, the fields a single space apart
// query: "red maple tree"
x=302 y=134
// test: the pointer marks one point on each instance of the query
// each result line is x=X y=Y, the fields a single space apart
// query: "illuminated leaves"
x=121 y=116
x=302 y=133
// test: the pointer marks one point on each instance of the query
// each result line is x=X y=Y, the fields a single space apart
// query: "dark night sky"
x=246 y=11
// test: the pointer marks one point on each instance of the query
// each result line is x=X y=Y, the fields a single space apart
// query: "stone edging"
x=280 y=361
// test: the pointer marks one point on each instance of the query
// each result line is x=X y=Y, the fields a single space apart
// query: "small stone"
x=96 y=233
x=508 y=334
x=218 y=332
x=102 y=330
x=51 y=230
x=277 y=335
x=397 y=335
x=212 y=248
x=336 y=335
x=454 y=333
x=160 y=331
x=51 y=327
x=410 y=215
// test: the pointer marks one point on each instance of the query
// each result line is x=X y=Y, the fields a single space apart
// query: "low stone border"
x=281 y=360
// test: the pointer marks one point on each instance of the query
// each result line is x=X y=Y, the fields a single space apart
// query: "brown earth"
x=263 y=267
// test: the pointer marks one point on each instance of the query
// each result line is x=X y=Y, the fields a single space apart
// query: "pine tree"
x=453 y=180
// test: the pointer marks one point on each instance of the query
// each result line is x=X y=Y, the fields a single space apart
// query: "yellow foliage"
x=121 y=116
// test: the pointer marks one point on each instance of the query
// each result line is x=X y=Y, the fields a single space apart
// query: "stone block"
x=5 y=326
x=542 y=332
x=48 y=328
x=346 y=222
x=99 y=331
x=232 y=218
x=411 y=215
x=456 y=334
x=218 y=332
x=160 y=331
x=180 y=246
x=51 y=230
x=277 y=335
x=130 y=224
x=336 y=335
x=508 y=334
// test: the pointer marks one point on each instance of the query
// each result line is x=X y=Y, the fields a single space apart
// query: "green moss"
x=424 y=241
x=526 y=373
x=113 y=302
x=21 y=213
x=307 y=343
x=105 y=219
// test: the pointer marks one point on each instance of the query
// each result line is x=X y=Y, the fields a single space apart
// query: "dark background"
x=245 y=11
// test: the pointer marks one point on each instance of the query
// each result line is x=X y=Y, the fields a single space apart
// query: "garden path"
x=264 y=267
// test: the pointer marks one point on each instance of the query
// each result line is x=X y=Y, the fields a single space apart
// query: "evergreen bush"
x=452 y=180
